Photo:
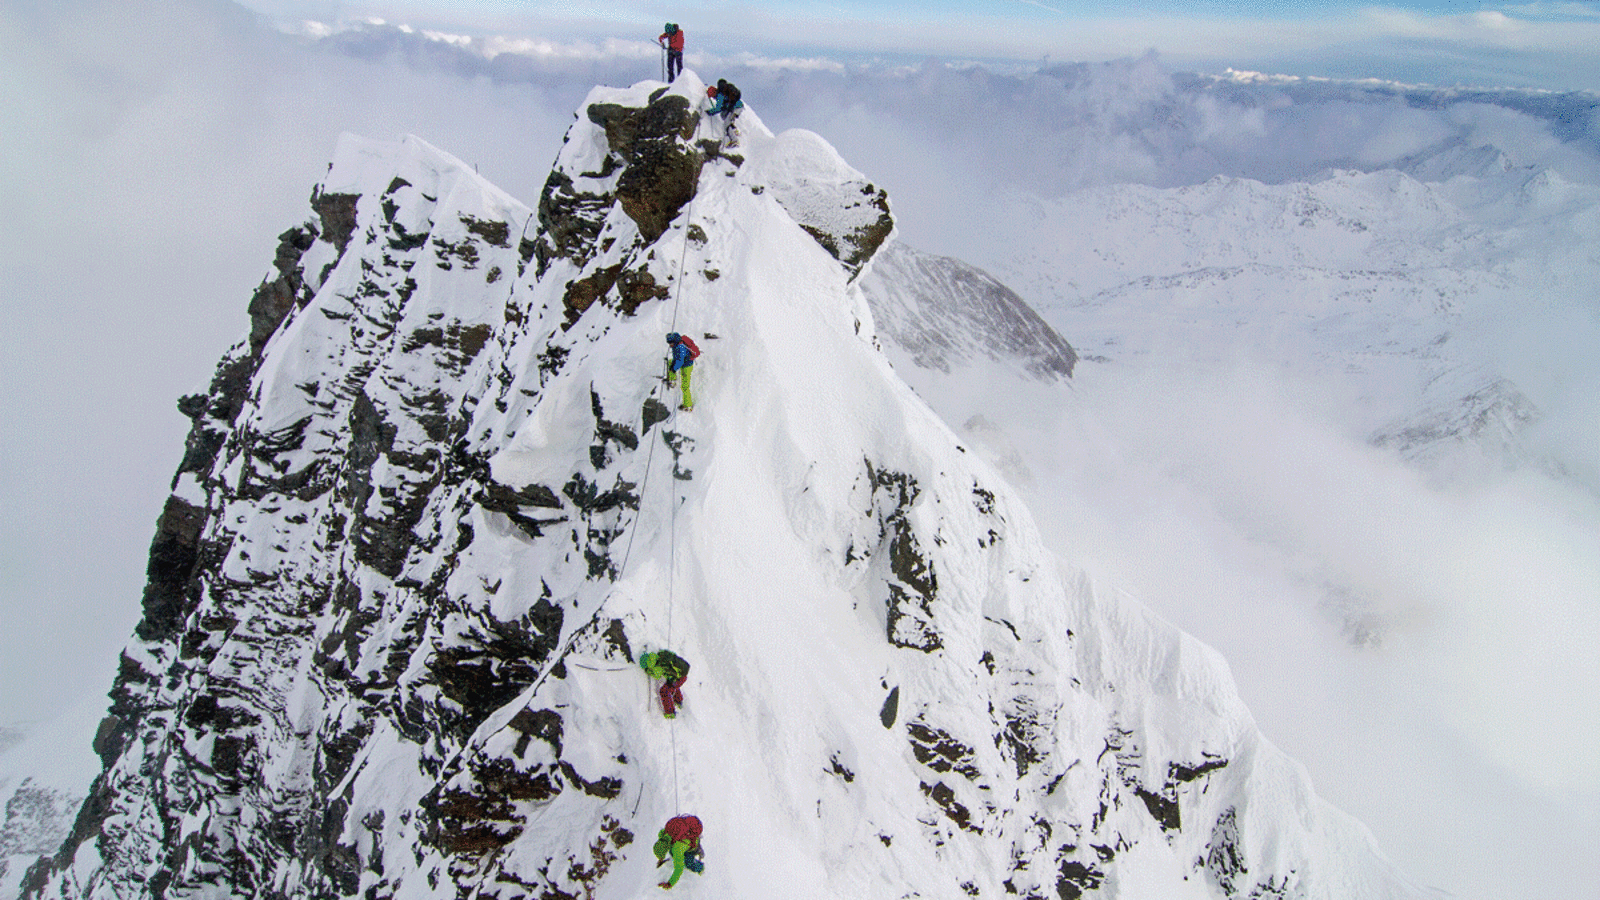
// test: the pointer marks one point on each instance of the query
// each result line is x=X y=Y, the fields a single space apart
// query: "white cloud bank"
x=1527 y=45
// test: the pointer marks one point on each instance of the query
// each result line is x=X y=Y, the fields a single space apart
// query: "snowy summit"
x=440 y=500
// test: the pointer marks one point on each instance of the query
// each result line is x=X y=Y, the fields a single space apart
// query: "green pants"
x=666 y=846
x=686 y=373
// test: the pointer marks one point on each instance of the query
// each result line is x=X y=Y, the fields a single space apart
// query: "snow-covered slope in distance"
x=435 y=504
x=940 y=313
x=1391 y=281
x=45 y=771
x=1357 y=409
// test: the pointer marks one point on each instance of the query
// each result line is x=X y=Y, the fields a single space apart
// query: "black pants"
x=674 y=63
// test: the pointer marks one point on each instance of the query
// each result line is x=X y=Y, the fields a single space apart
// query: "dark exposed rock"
x=606 y=432
x=1163 y=804
x=945 y=797
x=570 y=221
x=588 y=497
x=634 y=287
x=1076 y=878
x=448 y=253
x=1023 y=735
x=617 y=638
x=838 y=768
x=486 y=674
x=501 y=498
x=337 y=213
x=1224 y=856
x=653 y=411
x=457 y=344
x=1162 y=808
x=850 y=220
x=891 y=707
x=936 y=749
x=274 y=299
x=662 y=168
x=544 y=724
x=915 y=586
x=383 y=536
x=604 y=788
x=169 y=594
x=583 y=292
x=496 y=233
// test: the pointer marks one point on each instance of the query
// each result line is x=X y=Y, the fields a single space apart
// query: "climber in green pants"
x=680 y=840
x=684 y=353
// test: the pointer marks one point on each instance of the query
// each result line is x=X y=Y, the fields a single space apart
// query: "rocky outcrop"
x=1486 y=413
x=638 y=160
x=660 y=167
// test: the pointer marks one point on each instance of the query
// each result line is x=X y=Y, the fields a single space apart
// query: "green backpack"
x=672 y=664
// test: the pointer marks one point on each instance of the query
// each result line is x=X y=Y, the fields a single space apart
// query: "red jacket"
x=675 y=42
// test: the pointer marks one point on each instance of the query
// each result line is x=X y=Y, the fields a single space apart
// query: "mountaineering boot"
x=689 y=408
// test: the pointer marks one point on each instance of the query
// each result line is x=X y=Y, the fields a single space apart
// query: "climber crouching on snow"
x=684 y=353
x=681 y=840
x=724 y=99
x=673 y=670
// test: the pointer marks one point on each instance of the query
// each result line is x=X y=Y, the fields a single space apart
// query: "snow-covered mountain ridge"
x=1408 y=290
x=437 y=501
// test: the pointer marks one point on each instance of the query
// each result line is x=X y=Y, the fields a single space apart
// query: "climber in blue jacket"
x=683 y=355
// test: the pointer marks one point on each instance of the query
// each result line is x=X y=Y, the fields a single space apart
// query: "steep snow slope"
x=437 y=502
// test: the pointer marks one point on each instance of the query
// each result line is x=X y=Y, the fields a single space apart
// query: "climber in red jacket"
x=672 y=39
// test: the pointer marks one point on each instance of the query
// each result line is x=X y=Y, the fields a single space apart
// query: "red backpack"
x=694 y=352
x=684 y=828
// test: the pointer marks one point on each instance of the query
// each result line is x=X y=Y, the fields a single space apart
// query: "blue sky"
x=1471 y=42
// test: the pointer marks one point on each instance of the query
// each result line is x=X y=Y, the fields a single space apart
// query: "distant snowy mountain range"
x=1407 y=289
x=438 y=500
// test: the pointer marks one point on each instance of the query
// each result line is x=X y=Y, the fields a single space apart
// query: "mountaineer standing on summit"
x=672 y=39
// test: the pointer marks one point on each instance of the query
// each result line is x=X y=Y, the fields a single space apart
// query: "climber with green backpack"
x=672 y=669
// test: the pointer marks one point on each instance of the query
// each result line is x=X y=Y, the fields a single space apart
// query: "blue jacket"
x=680 y=357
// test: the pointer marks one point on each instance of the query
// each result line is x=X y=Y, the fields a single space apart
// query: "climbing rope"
x=672 y=526
x=627 y=553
